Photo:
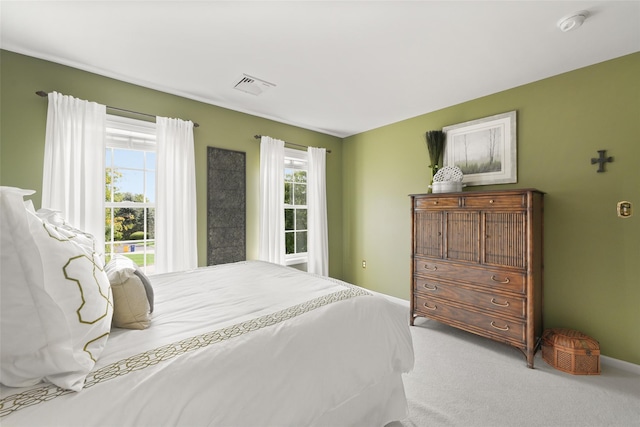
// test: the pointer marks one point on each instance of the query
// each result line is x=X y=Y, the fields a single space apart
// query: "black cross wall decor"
x=601 y=160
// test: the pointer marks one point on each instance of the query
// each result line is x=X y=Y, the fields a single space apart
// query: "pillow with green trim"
x=85 y=240
x=56 y=304
x=132 y=294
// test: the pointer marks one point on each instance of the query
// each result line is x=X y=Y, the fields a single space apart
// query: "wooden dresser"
x=477 y=263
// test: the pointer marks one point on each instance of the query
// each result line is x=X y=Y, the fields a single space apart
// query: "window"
x=130 y=177
x=295 y=206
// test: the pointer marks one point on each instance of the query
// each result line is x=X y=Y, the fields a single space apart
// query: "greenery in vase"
x=435 y=145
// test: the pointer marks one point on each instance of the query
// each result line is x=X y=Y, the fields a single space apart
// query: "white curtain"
x=176 y=233
x=271 y=239
x=73 y=172
x=317 y=230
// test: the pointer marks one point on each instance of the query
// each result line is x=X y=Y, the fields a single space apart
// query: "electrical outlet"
x=364 y=264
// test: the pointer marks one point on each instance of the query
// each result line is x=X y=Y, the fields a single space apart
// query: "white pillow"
x=56 y=304
x=85 y=240
x=132 y=294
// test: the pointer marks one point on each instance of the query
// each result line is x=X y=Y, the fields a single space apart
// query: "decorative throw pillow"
x=148 y=289
x=56 y=304
x=132 y=294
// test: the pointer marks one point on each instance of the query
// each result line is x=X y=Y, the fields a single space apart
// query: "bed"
x=242 y=344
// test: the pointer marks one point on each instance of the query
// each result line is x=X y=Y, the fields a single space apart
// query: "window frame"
x=137 y=135
x=291 y=156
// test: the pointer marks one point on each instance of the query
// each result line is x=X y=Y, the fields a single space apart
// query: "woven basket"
x=571 y=351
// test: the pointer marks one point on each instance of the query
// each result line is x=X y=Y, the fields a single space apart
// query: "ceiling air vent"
x=252 y=85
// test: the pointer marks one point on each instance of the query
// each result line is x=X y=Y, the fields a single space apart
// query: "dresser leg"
x=530 y=356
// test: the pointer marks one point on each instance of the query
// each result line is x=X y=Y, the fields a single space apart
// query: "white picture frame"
x=484 y=149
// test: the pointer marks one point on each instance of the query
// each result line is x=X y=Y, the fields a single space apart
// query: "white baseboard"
x=399 y=301
x=604 y=360
x=620 y=364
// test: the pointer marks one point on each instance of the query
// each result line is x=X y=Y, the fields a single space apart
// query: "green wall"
x=592 y=257
x=23 y=121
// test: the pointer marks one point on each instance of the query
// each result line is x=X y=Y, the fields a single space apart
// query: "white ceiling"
x=340 y=67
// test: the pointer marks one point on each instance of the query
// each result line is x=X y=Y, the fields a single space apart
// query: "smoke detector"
x=573 y=21
x=252 y=85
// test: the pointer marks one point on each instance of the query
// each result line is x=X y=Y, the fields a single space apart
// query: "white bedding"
x=244 y=344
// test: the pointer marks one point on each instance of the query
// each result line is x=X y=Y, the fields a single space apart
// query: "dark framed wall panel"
x=226 y=206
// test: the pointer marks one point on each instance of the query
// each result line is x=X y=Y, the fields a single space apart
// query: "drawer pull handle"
x=491 y=201
x=426 y=286
x=500 y=281
x=435 y=202
x=426 y=267
x=435 y=307
x=494 y=302
x=506 y=328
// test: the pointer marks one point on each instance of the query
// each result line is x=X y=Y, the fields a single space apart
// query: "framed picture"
x=484 y=149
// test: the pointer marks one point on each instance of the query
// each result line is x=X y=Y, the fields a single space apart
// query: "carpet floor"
x=461 y=379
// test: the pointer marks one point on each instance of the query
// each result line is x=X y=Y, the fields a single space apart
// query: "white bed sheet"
x=244 y=344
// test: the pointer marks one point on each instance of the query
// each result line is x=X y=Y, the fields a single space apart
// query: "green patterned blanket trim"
x=15 y=402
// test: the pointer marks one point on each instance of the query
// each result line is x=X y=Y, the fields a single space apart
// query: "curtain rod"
x=290 y=143
x=45 y=94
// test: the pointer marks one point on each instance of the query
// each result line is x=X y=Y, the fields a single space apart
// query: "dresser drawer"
x=495 y=278
x=437 y=202
x=486 y=202
x=480 y=323
x=505 y=305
